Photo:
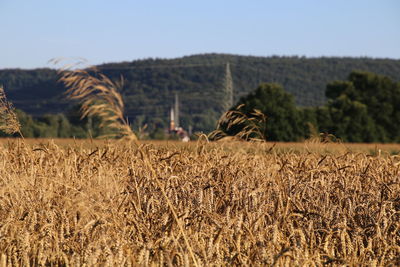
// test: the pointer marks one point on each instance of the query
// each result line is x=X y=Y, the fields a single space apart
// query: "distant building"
x=175 y=129
x=172 y=120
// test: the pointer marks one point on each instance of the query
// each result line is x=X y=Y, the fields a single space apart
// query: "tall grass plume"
x=9 y=122
x=238 y=125
x=98 y=97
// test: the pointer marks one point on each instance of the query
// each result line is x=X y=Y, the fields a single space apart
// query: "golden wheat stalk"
x=9 y=122
x=251 y=127
x=100 y=97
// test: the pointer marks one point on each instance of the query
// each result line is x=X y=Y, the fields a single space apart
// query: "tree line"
x=150 y=84
x=363 y=108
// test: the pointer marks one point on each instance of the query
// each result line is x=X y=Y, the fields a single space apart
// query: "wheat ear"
x=98 y=96
x=9 y=122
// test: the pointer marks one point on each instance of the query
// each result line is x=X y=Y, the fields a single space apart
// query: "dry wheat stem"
x=9 y=122
x=98 y=97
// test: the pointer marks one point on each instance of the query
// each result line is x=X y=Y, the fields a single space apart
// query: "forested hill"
x=150 y=84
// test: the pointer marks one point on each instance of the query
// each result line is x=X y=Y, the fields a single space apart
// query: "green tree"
x=366 y=108
x=351 y=121
x=283 y=118
x=27 y=124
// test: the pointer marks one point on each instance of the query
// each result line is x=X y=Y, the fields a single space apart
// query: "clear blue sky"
x=34 y=31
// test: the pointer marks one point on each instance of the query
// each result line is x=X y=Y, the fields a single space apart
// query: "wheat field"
x=200 y=204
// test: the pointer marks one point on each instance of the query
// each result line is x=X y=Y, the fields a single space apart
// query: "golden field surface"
x=91 y=203
x=279 y=147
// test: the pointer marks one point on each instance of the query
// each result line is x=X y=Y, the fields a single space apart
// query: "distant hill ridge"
x=150 y=83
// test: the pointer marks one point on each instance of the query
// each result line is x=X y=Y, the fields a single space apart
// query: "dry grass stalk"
x=9 y=122
x=100 y=97
x=252 y=128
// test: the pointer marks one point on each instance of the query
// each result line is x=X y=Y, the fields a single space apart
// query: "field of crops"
x=198 y=204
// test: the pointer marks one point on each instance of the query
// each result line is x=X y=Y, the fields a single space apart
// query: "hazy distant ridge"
x=150 y=83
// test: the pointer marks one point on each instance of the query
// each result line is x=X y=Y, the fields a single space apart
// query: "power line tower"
x=228 y=89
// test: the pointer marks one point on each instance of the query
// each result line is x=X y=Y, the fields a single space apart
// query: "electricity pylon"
x=228 y=89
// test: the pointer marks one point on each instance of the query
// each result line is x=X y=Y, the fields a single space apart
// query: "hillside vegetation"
x=150 y=84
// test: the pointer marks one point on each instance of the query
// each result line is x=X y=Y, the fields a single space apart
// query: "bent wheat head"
x=98 y=96
x=9 y=122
